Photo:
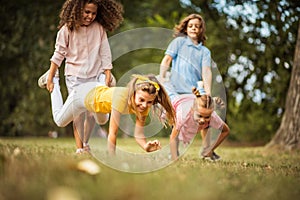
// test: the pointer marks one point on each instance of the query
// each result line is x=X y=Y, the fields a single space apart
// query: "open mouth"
x=201 y=123
x=142 y=109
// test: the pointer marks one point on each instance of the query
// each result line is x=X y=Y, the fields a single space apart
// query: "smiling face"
x=194 y=28
x=143 y=100
x=202 y=109
x=89 y=13
x=202 y=115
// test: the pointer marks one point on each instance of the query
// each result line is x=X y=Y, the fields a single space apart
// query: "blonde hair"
x=206 y=101
x=152 y=86
x=109 y=13
x=181 y=28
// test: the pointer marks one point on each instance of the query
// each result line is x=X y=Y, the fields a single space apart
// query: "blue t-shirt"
x=187 y=63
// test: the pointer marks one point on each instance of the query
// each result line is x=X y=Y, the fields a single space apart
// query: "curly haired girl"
x=82 y=42
x=109 y=14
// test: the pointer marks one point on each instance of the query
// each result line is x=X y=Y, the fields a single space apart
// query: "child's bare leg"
x=78 y=140
x=78 y=131
x=206 y=137
x=220 y=139
x=89 y=124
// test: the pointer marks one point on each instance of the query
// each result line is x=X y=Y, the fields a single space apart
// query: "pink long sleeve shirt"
x=86 y=50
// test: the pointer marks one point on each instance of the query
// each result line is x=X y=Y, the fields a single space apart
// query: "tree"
x=27 y=40
x=259 y=63
x=288 y=134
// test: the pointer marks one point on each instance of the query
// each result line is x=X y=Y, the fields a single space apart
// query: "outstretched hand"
x=152 y=146
x=50 y=86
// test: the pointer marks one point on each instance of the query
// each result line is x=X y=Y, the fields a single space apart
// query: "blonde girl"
x=200 y=117
x=142 y=93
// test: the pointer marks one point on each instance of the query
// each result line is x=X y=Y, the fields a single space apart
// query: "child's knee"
x=60 y=123
x=102 y=119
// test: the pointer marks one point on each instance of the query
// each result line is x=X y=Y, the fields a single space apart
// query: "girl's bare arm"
x=207 y=79
x=173 y=143
x=113 y=131
x=141 y=139
x=164 y=66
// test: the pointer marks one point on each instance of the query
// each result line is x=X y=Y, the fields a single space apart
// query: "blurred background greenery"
x=252 y=43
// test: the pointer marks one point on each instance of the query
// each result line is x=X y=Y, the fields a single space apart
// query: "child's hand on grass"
x=152 y=146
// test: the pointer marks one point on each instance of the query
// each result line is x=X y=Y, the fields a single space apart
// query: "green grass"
x=43 y=168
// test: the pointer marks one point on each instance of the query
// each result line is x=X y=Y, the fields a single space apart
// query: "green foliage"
x=27 y=39
x=269 y=43
x=137 y=12
x=249 y=123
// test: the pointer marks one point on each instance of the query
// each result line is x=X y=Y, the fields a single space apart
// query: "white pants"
x=83 y=123
x=64 y=113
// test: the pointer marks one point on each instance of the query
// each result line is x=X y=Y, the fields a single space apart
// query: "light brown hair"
x=181 y=28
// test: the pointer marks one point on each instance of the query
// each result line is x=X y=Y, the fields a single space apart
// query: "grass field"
x=44 y=168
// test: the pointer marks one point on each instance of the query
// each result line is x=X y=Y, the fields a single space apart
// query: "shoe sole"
x=42 y=80
x=210 y=159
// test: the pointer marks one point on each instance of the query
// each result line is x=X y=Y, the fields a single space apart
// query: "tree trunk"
x=288 y=135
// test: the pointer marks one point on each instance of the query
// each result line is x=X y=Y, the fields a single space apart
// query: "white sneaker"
x=42 y=82
x=79 y=151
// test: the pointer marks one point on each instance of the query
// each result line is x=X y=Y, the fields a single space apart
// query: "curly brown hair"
x=109 y=13
x=181 y=28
